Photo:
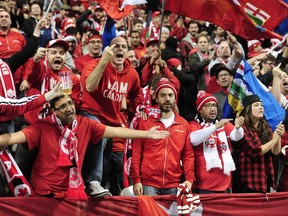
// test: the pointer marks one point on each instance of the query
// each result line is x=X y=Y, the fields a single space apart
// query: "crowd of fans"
x=161 y=70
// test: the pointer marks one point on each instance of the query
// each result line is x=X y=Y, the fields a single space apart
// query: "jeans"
x=7 y=127
x=152 y=191
x=116 y=176
x=93 y=160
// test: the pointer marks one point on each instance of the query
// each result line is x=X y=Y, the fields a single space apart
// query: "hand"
x=237 y=52
x=232 y=39
x=239 y=121
x=24 y=85
x=154 y=56
x=138 y=189
x=188 y=184
x=275 y=136
x=143 y=115
x=276 y=71
x=280 y=129
x=41 y=52
x=154 y=133
x=40 y=24
x=108 y=53
x=222 y=122
x=55 y=92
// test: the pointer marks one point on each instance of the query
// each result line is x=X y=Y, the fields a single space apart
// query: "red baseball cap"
x=60 y=42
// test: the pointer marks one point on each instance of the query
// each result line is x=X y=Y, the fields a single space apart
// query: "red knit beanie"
x=165 y=83
x=203 y=98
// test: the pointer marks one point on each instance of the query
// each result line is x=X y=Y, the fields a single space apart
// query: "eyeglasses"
x=65 y=106
x=270 y=63
x=211 y=105
x=224 y=75
x=95 y=42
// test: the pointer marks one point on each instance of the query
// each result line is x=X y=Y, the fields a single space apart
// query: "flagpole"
x=48 y=9
x=272 y=48
x=162 y=18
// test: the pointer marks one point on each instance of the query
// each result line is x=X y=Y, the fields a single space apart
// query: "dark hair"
x=37 y=3
x=71 y=31
x=136 y=20
x=155 y=79
x=263 y=129
x=55 y=100
x=134 y=31
x=269 y=57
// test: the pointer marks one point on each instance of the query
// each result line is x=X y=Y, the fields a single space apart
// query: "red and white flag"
x=249 y=19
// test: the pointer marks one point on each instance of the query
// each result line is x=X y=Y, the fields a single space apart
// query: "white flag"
x=132 y=2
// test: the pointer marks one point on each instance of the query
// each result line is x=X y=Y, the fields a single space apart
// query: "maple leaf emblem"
x=22 y=192
x=74 y=177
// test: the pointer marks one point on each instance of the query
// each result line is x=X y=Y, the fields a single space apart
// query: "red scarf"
x=68 y=156
x=186 y=202
x=7 y=81
x=17 y=183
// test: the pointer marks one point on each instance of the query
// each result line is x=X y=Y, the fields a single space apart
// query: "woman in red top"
x=253 y=154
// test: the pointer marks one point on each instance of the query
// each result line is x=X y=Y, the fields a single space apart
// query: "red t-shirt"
x=46 y=177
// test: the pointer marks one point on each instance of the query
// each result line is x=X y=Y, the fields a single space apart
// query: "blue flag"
x=109 y=32
x=245 y=83
x=282 y=29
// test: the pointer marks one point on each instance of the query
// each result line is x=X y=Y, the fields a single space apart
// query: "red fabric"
x=231 y=16
x=11 y=43
x=112 y=88
x=17 y=183
x=68 y=157
x=140 y=50
x=213 y=86
x=283 y=182
x=186 y=202
x=7 y=87
x=215 y=179
x=148 y=73
x=178 y=32
x=204 y=98
x=82 y=61
x=112 y=8
x=148 y=206
x=213 y=204
x=46 y=176
x=165 y=171
x=18 y=107
x=35 y=74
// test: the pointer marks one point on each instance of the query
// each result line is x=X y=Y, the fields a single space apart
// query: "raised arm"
x=20 y=106
x=94 y=78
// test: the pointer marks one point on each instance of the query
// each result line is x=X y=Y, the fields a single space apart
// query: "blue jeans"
x=7 y=127
x=152 y=191
x=116 y=174
x=93 y=161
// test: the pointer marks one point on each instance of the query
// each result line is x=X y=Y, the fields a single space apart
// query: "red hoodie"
x=105 y=101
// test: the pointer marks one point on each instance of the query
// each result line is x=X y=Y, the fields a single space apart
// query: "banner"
x=249 y=19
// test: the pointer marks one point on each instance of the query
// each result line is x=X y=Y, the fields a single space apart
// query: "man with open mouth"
x=107 y=82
